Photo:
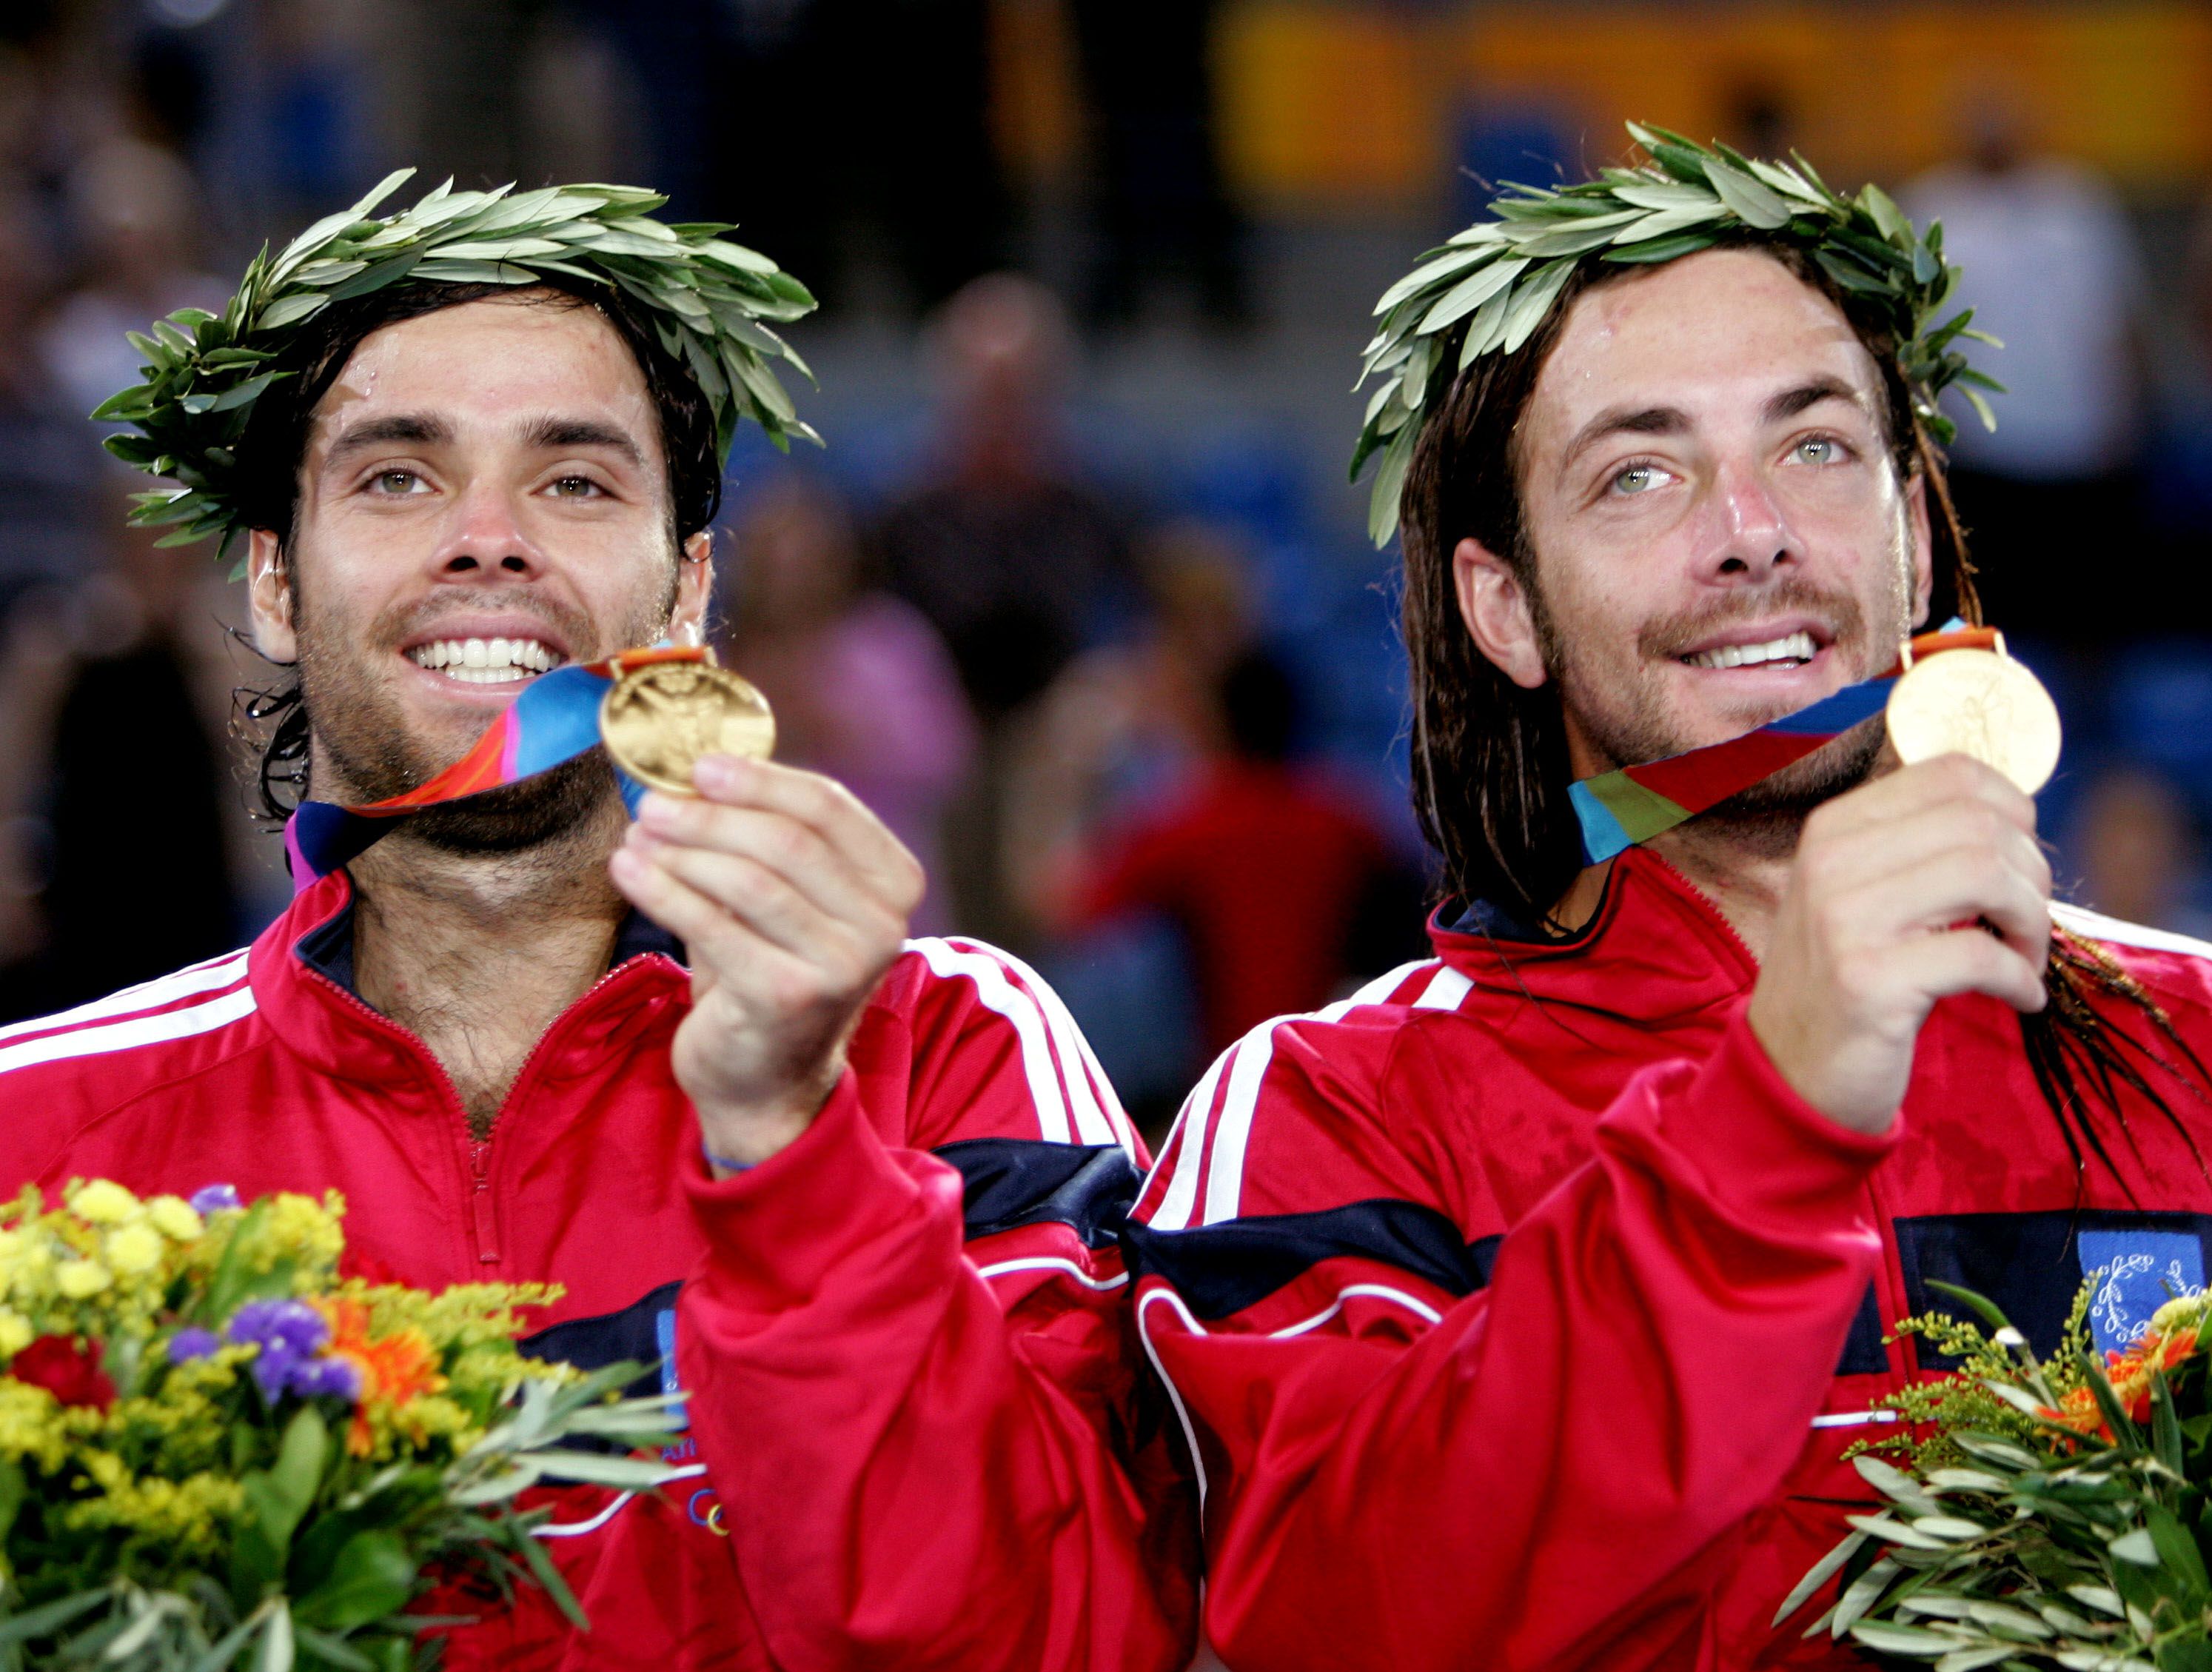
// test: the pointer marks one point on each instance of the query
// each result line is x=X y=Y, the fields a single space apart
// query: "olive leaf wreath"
x=709 y=299
x=1486 y=289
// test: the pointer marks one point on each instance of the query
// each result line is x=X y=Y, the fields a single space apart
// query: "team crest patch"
x=2135 y=1272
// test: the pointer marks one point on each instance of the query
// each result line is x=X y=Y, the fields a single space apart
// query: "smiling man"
x=688 y=1068
x=1520 y=1307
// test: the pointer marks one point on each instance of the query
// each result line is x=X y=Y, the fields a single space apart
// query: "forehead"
x=1709 y=335
x=503 y=360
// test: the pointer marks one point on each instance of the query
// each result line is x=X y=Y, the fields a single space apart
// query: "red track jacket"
x=1518 y=1312
x=920 y=1440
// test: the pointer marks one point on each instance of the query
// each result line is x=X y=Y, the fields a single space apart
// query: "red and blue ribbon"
x=1618 y=809
x=554 y=719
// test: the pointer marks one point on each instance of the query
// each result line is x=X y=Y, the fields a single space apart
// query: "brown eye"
x=576 y=487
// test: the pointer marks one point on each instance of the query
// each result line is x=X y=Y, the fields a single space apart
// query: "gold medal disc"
x=661 y=717
x=1977 y=703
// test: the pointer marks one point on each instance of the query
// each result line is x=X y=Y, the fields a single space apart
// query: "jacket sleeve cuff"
x=776 y=1232
x=1759 y=1144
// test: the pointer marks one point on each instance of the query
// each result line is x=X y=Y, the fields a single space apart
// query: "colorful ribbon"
x=1618 y=809
x=554 y=719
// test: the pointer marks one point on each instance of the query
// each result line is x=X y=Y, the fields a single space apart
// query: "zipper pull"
x=487 y=1233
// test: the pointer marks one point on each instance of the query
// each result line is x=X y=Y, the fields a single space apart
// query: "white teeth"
x=486 y=662
x=1798 y=647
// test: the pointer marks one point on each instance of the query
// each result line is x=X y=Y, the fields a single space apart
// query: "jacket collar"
x=1656 y=948
x=302 y=973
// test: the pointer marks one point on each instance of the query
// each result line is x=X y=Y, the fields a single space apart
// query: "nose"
x=484 y=538
x=1753 y=539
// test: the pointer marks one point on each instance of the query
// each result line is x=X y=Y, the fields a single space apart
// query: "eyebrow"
x=410 y=428
x=1790 y=402
x=1672 y=421
x=553 y=432
x=1624 y=421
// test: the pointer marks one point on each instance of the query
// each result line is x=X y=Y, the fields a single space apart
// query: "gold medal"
x=662 y=715
x=1977 y=702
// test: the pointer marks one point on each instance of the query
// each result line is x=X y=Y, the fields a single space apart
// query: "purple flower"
x=339 y=1378
x=192 y=1343
x=213 y=1199
x=288 y=1333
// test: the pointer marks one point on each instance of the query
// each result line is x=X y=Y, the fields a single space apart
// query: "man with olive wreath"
x=856 y=1195
x=1521 y=1307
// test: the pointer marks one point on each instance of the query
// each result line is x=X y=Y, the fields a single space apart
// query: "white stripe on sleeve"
x=996 y=993
x=1097 y=1120
x=147 y=995
x=2097 y=926
x=1225 y=1184
x=125 y=1036
x=1190 y=1158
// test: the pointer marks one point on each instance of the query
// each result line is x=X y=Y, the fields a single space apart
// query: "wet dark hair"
x=1490 y=766
x=275 y=444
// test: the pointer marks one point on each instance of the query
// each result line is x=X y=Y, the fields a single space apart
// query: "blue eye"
x=1819 y=450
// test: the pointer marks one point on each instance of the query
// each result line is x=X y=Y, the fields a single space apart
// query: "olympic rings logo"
x=712 y=1519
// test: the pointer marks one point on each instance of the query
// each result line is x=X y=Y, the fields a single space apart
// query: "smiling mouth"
x=1792 y=650
x=487 y=661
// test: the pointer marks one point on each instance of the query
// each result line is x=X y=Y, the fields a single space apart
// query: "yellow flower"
x=172 y=1216
x=102 y=1202
x=80 y=1280
x=133 y=1249
x=15 y=1332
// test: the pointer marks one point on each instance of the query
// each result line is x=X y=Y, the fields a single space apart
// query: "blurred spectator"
x=1163 y=207
x=1278 y=883
x=860 y=684
x=47 y=465
x=133 y=208
x=1017 y=564
x=105 y=696
x=2137 y=851
x=1009 y=557
x=2051 y=268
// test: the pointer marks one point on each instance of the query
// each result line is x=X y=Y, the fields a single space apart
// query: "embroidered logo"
x=2136 y=1272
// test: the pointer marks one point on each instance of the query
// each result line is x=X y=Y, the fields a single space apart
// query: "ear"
x=1495 y=608
x=694 y=590
x=270 y=598
x=1924 y=547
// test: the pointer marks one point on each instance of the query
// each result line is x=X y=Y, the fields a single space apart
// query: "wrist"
x=735 y=1135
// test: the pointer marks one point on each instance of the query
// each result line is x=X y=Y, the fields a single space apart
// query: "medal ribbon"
x=554 y=719
x=1618 y=809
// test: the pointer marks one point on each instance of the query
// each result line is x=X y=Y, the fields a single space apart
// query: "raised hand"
x=792 y=899
x=1921 y=885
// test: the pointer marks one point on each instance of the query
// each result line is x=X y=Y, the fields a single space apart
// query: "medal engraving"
x=1977 y=703
x=660 y=718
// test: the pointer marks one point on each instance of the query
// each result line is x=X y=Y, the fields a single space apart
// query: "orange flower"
x=395 y=1370
x=2130 y=1372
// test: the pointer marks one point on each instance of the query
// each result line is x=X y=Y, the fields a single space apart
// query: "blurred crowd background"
x=1077 y=596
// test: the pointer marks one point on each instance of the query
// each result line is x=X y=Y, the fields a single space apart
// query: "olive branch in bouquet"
x=713 y=304
x=1486 y=289
x=2055 y=1517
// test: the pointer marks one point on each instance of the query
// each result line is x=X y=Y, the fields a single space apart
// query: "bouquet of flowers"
x=2051 y=1512
x=215 y=1451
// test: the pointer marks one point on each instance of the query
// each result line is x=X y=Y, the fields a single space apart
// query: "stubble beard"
x=1767 y=817
x=363 y=736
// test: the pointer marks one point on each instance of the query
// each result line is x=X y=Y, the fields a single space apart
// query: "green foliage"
x=1486 y=289
x=712 y=303
x=2054 y=1515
